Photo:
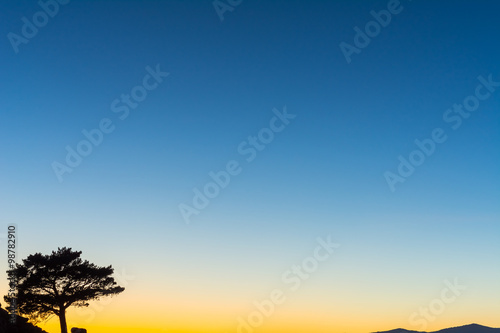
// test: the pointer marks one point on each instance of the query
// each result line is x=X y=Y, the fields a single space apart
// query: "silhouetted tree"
x=49 y=284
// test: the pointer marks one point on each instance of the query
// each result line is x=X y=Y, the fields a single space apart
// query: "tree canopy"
x=49 y=284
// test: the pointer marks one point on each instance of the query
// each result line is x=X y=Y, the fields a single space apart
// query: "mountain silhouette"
x=472 y=328
x=21 y=326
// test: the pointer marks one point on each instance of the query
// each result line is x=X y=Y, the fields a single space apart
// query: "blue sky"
x=323 y=174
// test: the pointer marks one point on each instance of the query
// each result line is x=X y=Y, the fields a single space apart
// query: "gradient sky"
x=322 y=175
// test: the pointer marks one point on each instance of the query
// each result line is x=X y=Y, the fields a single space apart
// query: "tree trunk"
x=62 y=320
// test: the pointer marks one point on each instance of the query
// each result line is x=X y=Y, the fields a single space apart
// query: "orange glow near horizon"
x=308 y=310
x=289 y=319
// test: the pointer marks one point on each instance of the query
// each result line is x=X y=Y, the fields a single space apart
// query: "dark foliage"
x=49 y=284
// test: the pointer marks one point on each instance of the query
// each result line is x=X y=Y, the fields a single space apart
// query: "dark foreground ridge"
x=21 y=326
x=472 y=328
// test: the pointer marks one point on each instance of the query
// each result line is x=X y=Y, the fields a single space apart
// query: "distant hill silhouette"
x=21 y=326
x=472 y=328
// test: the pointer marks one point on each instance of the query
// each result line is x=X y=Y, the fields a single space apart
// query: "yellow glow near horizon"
x=289 y=319
x=308 y=310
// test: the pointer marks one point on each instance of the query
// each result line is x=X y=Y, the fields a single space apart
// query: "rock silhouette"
x=78 y=330
x=21 y=325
